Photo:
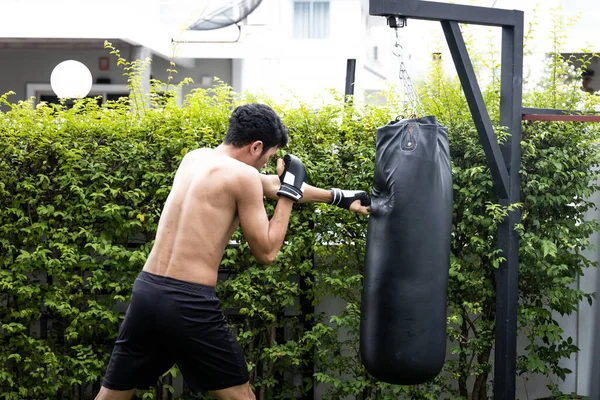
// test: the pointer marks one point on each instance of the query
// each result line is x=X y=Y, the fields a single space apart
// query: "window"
x=311 y=19
x=44 y=92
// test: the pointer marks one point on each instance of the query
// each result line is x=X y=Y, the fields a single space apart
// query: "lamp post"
x=70 y=80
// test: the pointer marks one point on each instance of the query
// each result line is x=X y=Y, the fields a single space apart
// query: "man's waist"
x=168 y=281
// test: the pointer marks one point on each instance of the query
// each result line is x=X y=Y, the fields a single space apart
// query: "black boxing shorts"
x=172 y=321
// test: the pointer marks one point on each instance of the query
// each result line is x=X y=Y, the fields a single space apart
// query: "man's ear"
x=256 y=147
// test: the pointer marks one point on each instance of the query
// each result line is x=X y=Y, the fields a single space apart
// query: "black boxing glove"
x=343 y=198
x=293 y=178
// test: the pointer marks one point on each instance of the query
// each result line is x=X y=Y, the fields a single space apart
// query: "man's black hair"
x=251 y=122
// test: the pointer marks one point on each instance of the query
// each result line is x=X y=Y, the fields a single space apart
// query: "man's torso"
x=198 y=219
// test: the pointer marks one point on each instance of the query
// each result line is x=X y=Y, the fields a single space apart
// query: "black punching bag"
x=403 y=311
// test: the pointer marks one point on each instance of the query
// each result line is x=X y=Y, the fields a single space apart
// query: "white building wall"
x=273 y=61
x=266 y=33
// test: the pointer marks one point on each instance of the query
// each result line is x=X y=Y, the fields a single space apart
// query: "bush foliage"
x=82 y=190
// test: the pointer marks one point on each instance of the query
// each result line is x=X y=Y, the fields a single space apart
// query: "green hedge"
x=81 y=195
x=81 y=192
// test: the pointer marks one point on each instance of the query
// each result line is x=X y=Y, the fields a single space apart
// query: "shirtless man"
x=174 y=315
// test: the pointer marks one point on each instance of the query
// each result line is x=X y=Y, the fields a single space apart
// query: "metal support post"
x=507 y=276
x=350 y=77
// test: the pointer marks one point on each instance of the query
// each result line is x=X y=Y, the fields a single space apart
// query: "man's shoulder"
x=221 y=165
x=242 y=170
x=199 y=151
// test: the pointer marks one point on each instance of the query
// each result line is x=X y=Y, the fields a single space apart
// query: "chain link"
x=410 y=101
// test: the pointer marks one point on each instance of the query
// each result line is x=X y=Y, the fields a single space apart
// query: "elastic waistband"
x=175 y=283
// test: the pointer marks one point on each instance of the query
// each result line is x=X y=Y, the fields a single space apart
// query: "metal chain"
x=410 y=99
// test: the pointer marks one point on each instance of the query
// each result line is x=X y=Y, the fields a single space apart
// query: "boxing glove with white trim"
x=344 y=198
x=293 y=178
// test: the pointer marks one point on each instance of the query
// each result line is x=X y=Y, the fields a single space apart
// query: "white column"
x=237 y=76
x=142 y=53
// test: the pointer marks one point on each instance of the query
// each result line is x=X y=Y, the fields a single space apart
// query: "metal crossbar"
x=550 y=114
x=435 y=11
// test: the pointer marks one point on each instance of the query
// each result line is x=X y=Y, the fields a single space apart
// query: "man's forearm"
x=278 y=227
x=315 y=195
x=311 y=194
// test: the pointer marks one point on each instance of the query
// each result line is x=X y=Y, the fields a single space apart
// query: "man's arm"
x=312 y=194
x=264 y=237
x=271 y=183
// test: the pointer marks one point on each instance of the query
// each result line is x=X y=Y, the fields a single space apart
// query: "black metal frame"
x=504 y=161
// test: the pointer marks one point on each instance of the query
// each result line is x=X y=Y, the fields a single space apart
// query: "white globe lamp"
x=71 y=80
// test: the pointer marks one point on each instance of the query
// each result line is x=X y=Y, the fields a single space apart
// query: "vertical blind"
x=311 y=19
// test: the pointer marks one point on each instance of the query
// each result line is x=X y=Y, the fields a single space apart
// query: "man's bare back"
x=198 y=219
